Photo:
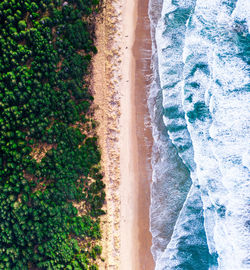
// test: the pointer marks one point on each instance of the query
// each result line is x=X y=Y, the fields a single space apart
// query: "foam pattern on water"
x=170 y=35
x=203 y=63
x=171 y=181
x=188 y=246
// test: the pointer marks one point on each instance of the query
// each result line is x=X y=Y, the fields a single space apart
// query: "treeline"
x=46 y=48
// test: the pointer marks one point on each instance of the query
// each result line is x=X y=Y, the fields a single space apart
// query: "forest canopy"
x=51 y=188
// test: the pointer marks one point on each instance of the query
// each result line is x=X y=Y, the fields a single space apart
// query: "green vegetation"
x=49 y=158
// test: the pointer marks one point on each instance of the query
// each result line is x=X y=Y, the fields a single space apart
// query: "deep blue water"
x=199 y=104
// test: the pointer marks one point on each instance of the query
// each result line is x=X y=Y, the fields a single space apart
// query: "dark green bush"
x=45 y=52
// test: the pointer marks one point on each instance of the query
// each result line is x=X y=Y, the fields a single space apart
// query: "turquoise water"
x=199 y=103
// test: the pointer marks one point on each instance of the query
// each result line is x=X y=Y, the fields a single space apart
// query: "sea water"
x=199 y=106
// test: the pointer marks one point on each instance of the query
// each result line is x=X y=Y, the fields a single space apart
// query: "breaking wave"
x=199 y=103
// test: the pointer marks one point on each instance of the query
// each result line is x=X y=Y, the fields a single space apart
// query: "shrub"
x=43 y=94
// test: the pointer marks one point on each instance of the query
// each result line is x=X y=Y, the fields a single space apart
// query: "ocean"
x=199 y=107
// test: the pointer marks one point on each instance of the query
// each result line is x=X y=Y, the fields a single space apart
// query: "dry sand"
x=121 y=74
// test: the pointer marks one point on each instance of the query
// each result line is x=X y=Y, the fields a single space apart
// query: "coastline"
x=142 y=52
x=121 y=72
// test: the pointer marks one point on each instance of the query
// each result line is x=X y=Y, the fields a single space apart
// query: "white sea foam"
x=221 y=137
x=171 y=180
x=203 y=49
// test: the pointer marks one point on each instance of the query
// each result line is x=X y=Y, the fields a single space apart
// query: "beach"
x=121 y=74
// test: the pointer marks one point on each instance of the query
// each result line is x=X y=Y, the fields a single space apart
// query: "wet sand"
x=142 y=55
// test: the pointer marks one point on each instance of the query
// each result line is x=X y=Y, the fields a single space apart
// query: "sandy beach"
x=121 y=72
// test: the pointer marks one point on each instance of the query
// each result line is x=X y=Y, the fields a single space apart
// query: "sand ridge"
x=106 y=84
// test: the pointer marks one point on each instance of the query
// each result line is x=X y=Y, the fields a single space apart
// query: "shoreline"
x=121 y=72
x=142 y=52
x=136 y=239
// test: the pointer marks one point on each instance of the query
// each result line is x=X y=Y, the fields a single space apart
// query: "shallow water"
x=199 y=102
